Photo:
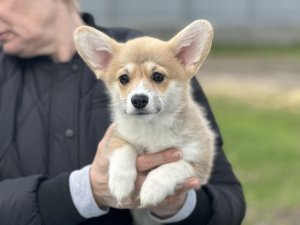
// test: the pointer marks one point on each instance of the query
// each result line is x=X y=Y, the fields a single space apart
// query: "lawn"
x=264 y=148
x=267 y=51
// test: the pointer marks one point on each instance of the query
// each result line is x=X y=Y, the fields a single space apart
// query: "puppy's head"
x=146 y=76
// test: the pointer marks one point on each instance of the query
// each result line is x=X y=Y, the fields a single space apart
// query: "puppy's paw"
x=121 y=184
x=122 y=172
x=154 y=191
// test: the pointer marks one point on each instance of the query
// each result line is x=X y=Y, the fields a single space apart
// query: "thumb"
x=105 y=138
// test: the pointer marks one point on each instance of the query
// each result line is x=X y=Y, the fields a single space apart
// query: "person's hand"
x=172 y=204
x=99 y=179
x=145 y=163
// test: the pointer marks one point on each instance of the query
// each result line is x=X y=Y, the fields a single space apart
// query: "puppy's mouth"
x=143 y=112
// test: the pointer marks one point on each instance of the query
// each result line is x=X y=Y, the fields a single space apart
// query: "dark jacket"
x=52 y=117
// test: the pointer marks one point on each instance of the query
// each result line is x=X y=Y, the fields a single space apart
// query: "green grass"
x=264 y=148
x=273 y=51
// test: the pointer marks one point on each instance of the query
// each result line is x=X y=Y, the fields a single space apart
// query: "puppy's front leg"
x=122 y=172
x=162 y=181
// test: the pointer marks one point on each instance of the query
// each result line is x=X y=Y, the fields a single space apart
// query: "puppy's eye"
x=124 y=79
x=158 y=77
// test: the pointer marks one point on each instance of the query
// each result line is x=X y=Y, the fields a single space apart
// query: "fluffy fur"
x=170 y=118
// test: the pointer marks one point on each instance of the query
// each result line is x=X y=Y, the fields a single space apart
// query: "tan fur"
x=114 y=142
x=139 y=71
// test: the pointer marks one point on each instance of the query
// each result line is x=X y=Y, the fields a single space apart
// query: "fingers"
x=101 y=163
x=149 y=161
x=182 y=189
x=106 y=136
x=190 y=183
x=180 y=193
x=99 y=169
x=99 y=177
x=140 y=180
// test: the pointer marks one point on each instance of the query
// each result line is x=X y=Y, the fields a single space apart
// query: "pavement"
x=272 y=81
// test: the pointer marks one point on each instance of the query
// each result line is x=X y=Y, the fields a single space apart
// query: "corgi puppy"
x=152 y=107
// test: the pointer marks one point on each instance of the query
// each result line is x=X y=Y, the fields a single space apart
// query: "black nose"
x=139 y=101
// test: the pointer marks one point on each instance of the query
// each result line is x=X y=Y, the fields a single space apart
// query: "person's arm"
x=18 y=201
x=18 y=198
x=29 y=199
x=34 y=200
x=221 y=201
x=55 y=202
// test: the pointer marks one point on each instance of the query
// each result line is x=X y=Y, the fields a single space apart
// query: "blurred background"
x=252 y=80
x=235 y=22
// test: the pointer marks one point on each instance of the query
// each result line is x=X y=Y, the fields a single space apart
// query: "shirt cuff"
x=82 y=196
x=185 y=211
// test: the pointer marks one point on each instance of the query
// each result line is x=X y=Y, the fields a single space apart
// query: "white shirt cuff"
x=185 y=211
x=81 y=193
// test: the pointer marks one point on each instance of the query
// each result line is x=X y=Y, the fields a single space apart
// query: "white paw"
x=154 y=191
x=122 y=173
x=121 y=184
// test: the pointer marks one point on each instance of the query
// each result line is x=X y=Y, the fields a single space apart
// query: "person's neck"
x=64 y=47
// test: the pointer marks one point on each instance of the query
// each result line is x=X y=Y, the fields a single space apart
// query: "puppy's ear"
x=192 y=45
x=95 y=48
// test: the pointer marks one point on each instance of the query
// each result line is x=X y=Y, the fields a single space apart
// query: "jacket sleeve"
x=221 y=201
x=18 y=201
x=33 y=200
x=55 y=202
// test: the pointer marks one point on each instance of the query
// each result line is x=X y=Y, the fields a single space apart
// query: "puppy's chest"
x=153 y=139
x=157 y=142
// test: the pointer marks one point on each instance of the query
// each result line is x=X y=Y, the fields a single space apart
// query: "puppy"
x=148 y=81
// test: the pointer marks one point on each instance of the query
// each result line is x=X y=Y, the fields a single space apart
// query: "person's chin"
x=11 y=49
x=16 y=51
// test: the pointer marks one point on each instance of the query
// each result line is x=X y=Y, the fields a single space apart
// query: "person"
x=54 y=121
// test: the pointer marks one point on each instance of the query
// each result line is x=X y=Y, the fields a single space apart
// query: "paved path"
x=254 y=78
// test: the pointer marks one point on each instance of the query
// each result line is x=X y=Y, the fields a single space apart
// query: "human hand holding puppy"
x=99 y=178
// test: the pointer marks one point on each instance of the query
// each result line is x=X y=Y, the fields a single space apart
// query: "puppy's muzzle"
x=139 y=101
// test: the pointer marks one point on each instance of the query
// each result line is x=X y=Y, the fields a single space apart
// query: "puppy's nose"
x=139 y=101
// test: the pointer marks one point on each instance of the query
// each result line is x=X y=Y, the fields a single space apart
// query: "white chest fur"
x=149 y=134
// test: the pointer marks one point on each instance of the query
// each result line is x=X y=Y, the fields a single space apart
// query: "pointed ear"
x=95 y=48
x=192 y=45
